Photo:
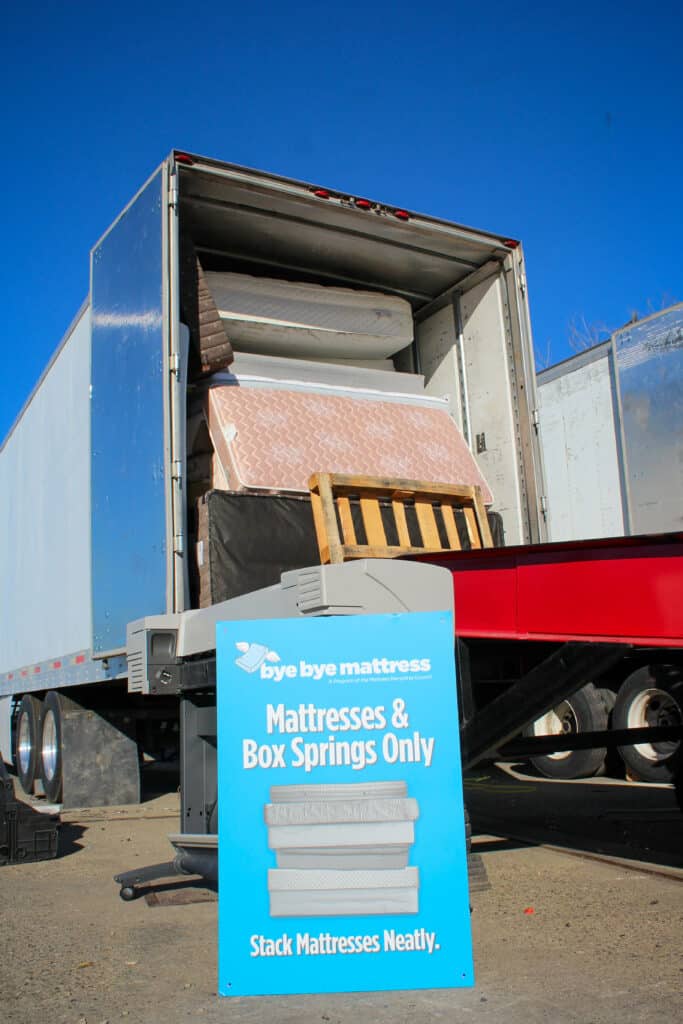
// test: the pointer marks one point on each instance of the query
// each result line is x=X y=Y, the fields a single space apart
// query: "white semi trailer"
x=102 y=473
x=612 y=440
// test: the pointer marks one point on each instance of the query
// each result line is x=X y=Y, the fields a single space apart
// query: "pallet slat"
x=451 y=527
x=346 y=520
x=372 y=521
x=399 y=510
x=427 y=522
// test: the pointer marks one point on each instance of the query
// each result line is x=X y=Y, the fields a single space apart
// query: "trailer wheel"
x=51 y=746
x=584 y=711
x=26 y=742
x=650 y=696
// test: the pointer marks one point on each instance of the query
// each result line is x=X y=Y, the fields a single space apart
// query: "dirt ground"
x=557 y=937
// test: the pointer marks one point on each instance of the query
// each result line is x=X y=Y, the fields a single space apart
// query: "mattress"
x=273 y=439
x=301 y=792
x=373 y=857
x=284 y=318
x=339 y=832
x=324 y=811
x=376 y=374
x=311 y=893
x=354 y=845
x=246 y=541
x=350 y=834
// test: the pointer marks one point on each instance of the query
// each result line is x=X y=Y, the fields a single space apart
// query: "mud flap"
x=99 y=757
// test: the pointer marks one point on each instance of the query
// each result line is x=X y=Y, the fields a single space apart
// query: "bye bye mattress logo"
x=254 y=657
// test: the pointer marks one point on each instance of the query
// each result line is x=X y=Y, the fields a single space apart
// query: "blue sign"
x=342 y=863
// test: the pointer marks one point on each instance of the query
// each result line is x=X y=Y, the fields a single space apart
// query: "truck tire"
x=584 y=711
x=26 y=742
x=50 y=747
x=652 y=695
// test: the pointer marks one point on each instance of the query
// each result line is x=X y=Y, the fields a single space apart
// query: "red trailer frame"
x=619 y=590
x=586 y=605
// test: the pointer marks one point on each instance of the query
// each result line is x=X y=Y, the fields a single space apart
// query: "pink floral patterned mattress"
x=274 y=439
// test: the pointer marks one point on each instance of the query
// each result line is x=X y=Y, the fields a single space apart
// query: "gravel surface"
x=557 y=938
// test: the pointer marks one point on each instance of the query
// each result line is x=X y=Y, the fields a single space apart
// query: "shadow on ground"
x=616 y=819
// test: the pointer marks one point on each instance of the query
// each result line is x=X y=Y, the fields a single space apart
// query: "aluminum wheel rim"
x=654 y=707
x=49 y=746
x=24 y=745
x=559 y=721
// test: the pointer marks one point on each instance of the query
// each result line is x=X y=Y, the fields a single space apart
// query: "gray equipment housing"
x=157 y=646
x=165 y=652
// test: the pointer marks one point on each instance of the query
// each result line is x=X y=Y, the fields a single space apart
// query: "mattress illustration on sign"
x=308 y=320
x=342 y=849
x=376 y=844
x=321 y=893
x=273 y=439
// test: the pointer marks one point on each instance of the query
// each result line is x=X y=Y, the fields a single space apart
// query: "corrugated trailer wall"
x=648 y=357
x=45 y=599
x=490 y=385
x=467 y=344
x=580 y=440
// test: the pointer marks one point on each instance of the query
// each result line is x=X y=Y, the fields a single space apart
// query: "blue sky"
x=558 y=126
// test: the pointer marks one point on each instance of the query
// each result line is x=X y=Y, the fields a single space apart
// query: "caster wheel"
x=128 y=893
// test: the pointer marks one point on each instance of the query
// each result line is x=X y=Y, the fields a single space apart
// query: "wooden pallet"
x=387 y=505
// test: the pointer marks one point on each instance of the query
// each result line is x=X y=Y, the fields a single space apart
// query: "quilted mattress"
x=333 y=893
x=273 y=439
x=282 y=318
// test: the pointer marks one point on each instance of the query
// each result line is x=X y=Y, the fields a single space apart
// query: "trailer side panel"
x=45 y=514
x=129 y=461
x=580 y=438
x=649 y=361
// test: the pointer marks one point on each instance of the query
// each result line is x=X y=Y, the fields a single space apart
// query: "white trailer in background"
x=612 y=433
x=611 y=427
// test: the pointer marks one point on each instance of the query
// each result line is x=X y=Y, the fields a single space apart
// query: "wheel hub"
x=24 y=745
x=49 y=745
x=654 y=707
x=559 y=721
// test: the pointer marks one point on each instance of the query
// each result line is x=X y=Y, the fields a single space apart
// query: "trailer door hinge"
x=177 y=470
x=174 y=363
x=173 y=197
x=178 y=544
x=536 y=419
x=544 y=506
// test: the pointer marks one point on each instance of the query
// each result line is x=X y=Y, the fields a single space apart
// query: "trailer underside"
x=564 y=612
x=531 y=625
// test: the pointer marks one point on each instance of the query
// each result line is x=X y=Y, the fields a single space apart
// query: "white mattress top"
x=318 y=879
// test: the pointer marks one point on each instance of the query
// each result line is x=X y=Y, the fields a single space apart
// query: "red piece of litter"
x=529 y=910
